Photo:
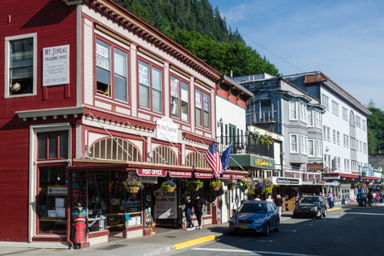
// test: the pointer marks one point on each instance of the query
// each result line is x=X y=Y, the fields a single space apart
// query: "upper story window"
x=52 y=145
x=338 y=138
x=111 y=71
x=334 y=136
x=325 y=101
x=292 y=110
x=150 y=87
x=329 y=134
x=20 y=65
x=358 y=122
x=345 y=114
x=310 y=118
x=202 y=109
x=311 y=148
x=293 y=142
x=335 y=108
x=318 y=119
x=319 y=149
x=304 y=144
x=303 y=112
x=179 y=93
x=364 y=125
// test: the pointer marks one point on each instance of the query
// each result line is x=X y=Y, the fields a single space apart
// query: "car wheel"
x=325 y=214
x=318 y=214
x=267 y=230
x=277 y=229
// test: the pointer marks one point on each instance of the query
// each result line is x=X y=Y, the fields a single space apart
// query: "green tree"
x=375 y=129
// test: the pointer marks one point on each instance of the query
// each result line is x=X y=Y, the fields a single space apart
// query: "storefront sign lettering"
x=165 y=204
x=238 y=177
x=315 y=167
x=264 y=163
x=203 y=175
x=177 y=174
x=226 y=177
x=57 y=191
x=151 y=172
x=56 y=65
x=286 y=181
x=166 y=130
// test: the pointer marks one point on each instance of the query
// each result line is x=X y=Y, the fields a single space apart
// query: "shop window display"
x=52 y=200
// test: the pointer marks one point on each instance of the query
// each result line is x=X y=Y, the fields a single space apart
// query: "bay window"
x=310 y=118
x=311 y=148
x=293 y=142
x=293 y=110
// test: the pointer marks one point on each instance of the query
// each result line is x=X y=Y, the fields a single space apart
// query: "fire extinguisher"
x=79 y=216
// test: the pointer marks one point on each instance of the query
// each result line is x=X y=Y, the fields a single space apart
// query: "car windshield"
x=309 y=200
x=253 y=208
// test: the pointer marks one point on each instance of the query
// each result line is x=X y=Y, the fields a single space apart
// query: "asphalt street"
x=353 y=231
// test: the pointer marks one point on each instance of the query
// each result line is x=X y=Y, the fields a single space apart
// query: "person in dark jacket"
x=279 y=204
x=370 y=197
x=199 y=204
x=189 y=213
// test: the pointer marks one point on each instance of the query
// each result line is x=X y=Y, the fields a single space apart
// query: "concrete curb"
x=160 y=251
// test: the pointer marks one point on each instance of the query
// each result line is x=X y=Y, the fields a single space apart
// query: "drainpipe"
x=69 y=202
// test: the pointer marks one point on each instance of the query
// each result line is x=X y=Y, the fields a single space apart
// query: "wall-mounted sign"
x=264 y=163
x=315 y=167
x=56 y=65
x=57 y=190
x=165 y=204
x=166 y=130
x=177 y=174
x=238 y=177
x=151 y=172
x=203 y=175
x=226 y=177
x=148 y=179
x=286 y=181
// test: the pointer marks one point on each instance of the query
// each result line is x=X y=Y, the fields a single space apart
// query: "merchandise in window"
x=52 y=145
x=21 y=66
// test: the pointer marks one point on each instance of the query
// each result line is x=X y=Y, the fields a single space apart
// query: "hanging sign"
x=165 y=204
x=151 y=172
x=177 y=174
x=166 y=130
x=238 y=177
x=286 y=181
x=56 y=65
x=203 y=175
x=57 y=190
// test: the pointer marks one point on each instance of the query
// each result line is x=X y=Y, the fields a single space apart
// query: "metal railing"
x=244 y=144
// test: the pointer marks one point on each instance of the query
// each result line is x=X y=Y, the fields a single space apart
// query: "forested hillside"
x=199 y=28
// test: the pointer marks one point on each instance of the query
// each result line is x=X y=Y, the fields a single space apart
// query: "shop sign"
x=203 y=175
x=286 y=181
x=151 y=172
x=264 y=163
x=321 y=182
x=238 y=177
x=315 y=167
x=148 y=179
x=57 y=190
x=56 y=65
x=226 y=177
x=166 y=130
x=166 y=204
x=177 y=174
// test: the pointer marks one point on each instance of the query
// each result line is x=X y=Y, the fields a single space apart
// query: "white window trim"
x=314 y=148
x=335 y=110
x=346 y=113
x=318 y=152
x=297 y=112
x=304 y=150
x=318 y=114
x=297 y=143
x=313 y=118
x=334 y=136
x=6 y=65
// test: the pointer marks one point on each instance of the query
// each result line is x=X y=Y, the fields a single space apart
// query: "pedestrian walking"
x=377 y=198
x=199 y=204
x=330 y=199
x=279 y=204
x=257 y=198
x=370 y=197
x=365 y=199
x=189 y=213
x=322 y=195
x=374 y=197
x=269 y=198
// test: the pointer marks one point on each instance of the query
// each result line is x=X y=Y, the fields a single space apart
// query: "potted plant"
x=232 y=184
x=246 y=183
x=255 y=135
x=168 y=186
x=266 y=139
x=133 y=185
x=265 y=185
x=216 y=184
x=360 y=185
x=194 y=184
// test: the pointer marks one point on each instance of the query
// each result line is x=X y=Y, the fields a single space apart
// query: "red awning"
x=177 y=174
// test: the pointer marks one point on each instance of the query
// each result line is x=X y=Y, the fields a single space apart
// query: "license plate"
x=244 y=227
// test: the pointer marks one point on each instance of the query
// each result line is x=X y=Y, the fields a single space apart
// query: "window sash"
x=52 y=145
x=184 y=101
x=310 y=118
x=293 y=141
x=144 y=84
x=311 y=148
x=293 y=110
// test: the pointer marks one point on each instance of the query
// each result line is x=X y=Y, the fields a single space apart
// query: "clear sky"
x=343 y=39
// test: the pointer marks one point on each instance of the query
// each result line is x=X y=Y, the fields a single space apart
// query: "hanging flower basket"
x=194 y=185
x=216 y=188
x=132 y=189
x=216 y=184
x=232 y=187
x=232 y=184
x=168 y=186
x=246 y=183
x=360 y=185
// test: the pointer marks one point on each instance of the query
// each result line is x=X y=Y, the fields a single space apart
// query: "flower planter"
x=132 y=189
x=232 y=187
x=216 y=188
x=169 y=190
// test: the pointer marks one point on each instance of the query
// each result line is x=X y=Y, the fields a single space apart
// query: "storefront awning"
x=338 y=176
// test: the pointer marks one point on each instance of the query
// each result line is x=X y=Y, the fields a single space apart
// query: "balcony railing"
x=244 y=144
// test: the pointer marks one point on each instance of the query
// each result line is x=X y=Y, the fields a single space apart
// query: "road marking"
x=334 y=209
x=249 y=251
x=289 y=230
x=264 y=241
x=194 y=242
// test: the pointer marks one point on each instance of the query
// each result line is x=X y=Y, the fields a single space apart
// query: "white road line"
x=289 y=230
x=249 y=251
x=264 y=241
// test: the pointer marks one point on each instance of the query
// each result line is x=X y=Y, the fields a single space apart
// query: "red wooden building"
x=93 y=94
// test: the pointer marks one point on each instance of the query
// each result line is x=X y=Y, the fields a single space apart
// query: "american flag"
x=213 y=159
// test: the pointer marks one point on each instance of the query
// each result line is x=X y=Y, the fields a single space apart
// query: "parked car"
x=314 y=206
x=256 y=217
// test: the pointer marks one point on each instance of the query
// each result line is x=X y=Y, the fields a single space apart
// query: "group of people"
x=371 y=197
x=194 y=207
x=278 y=201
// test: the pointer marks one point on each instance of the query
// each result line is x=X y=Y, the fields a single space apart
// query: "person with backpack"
x=189 y=213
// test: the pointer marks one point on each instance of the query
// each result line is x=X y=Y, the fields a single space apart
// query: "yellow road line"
x=194 y=242
x=334 y=209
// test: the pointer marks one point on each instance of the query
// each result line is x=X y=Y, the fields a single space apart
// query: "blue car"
x=256 y=217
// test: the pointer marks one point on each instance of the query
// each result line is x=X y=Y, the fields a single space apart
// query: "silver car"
x=256 y=217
